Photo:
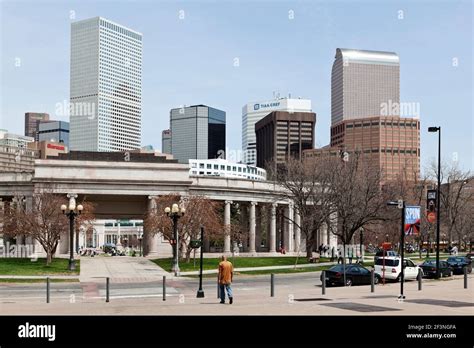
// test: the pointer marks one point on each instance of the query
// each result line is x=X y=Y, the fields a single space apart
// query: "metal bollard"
x=272 y=285
x=107 y=291
x=164 y=288
x=372 y=280
x=465 y=277
x=47 y=289
x=323 y=283
x=420 y=279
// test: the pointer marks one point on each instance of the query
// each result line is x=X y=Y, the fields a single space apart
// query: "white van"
x=393 y=269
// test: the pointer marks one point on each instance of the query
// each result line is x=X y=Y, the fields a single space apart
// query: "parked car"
x=355 y=275
x=393 y=268
x=429 y=268
x=385 y=253
x=470 y=256
x=458 y=263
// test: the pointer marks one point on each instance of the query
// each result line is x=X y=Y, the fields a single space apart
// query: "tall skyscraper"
x=55 y=131
x=106 y=86
x=365 y=108
x=254 y=112
x=32 y=120
x=198 y=132
x=362 y=82
x=281 y=134
x=166 y=141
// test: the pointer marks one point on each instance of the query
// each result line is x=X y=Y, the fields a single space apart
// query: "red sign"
x=55 y=147
x=386 y=246
x=431 y=216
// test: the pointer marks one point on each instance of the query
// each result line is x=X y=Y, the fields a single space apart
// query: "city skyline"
x=246 y=68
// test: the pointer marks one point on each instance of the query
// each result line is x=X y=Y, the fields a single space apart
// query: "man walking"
x=226 y=272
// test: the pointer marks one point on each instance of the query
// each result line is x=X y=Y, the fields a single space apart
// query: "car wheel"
x=376 y=280
x=398 y=278
x=349 y=282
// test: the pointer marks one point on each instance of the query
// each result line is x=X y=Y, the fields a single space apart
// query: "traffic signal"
x=431 y=201
x=172 y=241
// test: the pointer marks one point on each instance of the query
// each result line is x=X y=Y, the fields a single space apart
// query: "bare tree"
x=306 y=185
x=200 y=211
x=356 y=195
x=455 y=192
x=43 y=221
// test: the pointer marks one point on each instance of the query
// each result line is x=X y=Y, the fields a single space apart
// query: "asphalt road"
x=13 y=292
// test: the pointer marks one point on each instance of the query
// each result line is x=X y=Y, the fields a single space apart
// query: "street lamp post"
x=200 y=292
x=438 y=198
x=140 y=238
x=175 y=213
x=362 y=244
x=71 y=212
x=401 y=205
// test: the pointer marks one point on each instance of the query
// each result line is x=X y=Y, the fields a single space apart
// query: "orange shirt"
x=225 y=272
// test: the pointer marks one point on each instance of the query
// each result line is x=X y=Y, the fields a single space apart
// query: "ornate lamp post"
x=175 y=213
x=71 y=212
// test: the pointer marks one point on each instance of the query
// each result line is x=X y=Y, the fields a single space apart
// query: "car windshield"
x=455 y=259
x=388 y=262
x=430 y=262
x=338 y=268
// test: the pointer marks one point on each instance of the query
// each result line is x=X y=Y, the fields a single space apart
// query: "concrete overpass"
x=125 y=190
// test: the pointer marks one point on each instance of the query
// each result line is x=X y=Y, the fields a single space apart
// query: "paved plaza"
x=295 y=294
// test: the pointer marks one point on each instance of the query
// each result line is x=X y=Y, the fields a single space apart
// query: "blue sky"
x=190 y=60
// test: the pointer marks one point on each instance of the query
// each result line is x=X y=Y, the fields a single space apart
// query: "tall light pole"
x=71 y=212
x=401 y=205
x=438 y=198
x=175 y=213
x=362 y=244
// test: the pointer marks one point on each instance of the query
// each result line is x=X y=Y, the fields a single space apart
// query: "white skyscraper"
x=254 y=112
x=106 y=86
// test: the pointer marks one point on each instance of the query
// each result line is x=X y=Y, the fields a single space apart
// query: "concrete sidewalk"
x=120 y=269
x=440 y=298
x=263 y=268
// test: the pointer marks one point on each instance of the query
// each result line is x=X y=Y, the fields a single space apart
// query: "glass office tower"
x=197 y=132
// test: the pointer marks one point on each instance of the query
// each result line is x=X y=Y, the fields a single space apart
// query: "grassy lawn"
x=238 y=262
x=37 y=280
x=26 y=267
x=298 y=269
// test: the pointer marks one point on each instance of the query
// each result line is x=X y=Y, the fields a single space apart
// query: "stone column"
x=291 y=240
x=252 y=227
x=288 y=225
x=151 y=239
x=272 y=239
x=227 y=226
x=63 y=246
x=297 y=232
x=331 y=237
x=323 y=235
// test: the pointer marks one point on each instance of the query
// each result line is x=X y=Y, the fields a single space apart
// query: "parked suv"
x=387 y=253
x=393 y=269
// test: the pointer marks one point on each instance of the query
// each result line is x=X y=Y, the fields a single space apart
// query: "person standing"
x=226 y=273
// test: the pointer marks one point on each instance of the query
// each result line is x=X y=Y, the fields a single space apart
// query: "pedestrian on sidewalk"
x=226 y=273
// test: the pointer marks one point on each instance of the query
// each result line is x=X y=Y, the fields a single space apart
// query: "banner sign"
x=412 y=220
